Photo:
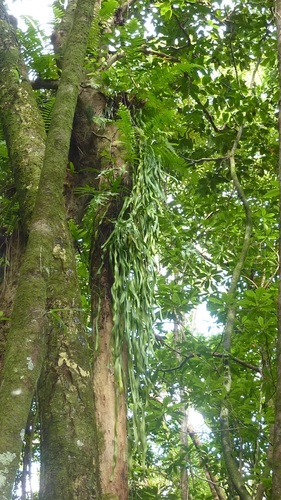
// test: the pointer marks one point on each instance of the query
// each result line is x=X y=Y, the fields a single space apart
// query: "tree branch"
x=276 y=476
x=209 y=116
x=231 y=465
x=40 y=83
x=241 y=362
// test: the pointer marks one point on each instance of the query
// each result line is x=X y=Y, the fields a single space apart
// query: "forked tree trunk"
x=49 y=260
x=110 y=398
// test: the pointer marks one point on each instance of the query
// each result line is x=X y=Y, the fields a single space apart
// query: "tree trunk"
x=46 y=256
x=111 y=406
x=24 y=132
x=110 y=398
x=99 y=158
x=184 y=443
x=276 y=465
x=69 y=444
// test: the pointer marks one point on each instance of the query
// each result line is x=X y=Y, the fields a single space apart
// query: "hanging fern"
x=132 y=249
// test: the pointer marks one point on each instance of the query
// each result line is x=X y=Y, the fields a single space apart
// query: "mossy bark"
x=22 y=123
x=68 y=434
x=276 y=463
x=25 y=137
x=46 y=247
x=61 y=32
x=111 y=402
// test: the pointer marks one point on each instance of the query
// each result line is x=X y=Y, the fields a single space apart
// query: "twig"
x=202 y=160
x=183 y=30
x=209 y=116
x=239 y=361
x=245 y=364
x=156 y=53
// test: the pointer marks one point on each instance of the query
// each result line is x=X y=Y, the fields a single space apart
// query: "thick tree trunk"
x=47 y=249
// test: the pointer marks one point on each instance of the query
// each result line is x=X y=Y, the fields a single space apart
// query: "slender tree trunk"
x=111 y=410
x=186 y=432
x=234 y=474
x=110 y=399
x=46 y=251
x=262 y=489
x=276 y=465
x=184 y=442
x=184 y=423
x=216 y=490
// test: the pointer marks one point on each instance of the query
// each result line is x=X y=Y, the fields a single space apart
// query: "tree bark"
x=69 y=443
x=20 y=117
x=111 y=404
x=110 y=399
x=99 y=157
x=24 y=132
x=26 y=341
x=184 y=442
x=276 y=464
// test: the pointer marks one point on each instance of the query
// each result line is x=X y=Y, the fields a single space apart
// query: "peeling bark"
x=98 y=156
x=111 y=411
x=111 y=403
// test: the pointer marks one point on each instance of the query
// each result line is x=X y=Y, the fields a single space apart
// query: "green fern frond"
x=94 y=36
x=132 y=249
x=46 y=104
x=170 y=159
x=58 y=13
x=33 y=44
x=108 y=9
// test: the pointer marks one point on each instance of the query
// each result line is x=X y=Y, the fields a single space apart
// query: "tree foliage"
x=178 y=198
